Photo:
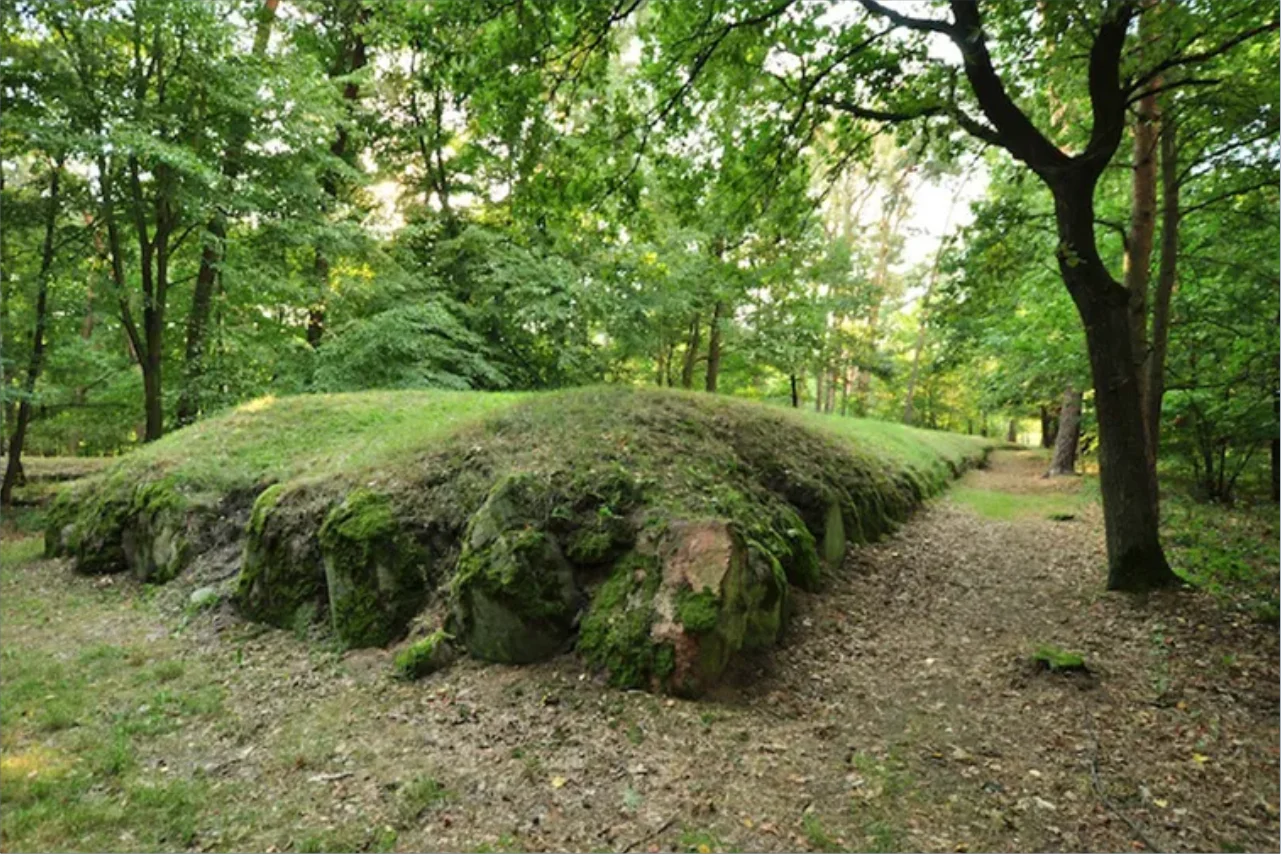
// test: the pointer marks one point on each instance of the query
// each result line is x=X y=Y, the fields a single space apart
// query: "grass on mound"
x=276 y=439
x=385 y=498
x=316 y=436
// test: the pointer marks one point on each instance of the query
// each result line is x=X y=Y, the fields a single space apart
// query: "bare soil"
x=903 y=713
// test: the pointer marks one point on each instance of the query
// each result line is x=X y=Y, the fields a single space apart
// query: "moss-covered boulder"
x=424 y=656
x=282 y=573
x=672 y=615
x=715 y=599
x=160 y=535
x=377 y=576
x=515 y=596
x=88 y=529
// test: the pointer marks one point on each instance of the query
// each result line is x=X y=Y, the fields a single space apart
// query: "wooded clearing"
x=639 y=425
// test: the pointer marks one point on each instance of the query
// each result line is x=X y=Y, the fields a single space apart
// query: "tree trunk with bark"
x=1049 y=427
x=13 y=466
x=691 y=351
x=1166 y=280
x=1012 y=434
x=796 y=397
x=714 y=348
x=1069 y=435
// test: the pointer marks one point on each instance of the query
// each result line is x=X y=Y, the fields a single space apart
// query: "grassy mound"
x=657 y=532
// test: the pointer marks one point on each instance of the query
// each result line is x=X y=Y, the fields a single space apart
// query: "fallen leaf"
x=558 y=782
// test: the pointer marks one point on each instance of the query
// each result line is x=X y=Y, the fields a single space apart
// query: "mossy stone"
x=376 y=575
x=615 y=632
x=282 y=574
x=157 y=538
x=834 y=541
x=515 y=595
x=424 y=656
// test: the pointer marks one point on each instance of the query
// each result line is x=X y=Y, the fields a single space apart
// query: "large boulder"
x=673 y=614
x=282 y=573
x=514 y=593
x=160 y=536
x=377 y=576
x=89 y=530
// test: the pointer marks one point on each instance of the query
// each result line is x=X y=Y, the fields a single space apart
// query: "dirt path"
x=902 y=714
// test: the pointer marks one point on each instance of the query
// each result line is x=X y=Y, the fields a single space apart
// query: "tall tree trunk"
x=1138 y=255
x=1012 y=434
x=845 y=392
x=819 y=371
x=1069 y=435
x=714 y=347
x=831 y=390
x=13 y=466
x=1276 y=447
x=796 y=397
x=353 y=57
x=215 y=247
x=691 y=351
x=1126 y=479
x=1166 y=280
x=1049 y=427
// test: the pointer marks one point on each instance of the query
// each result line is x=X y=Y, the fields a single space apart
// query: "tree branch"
x=1228 y=194
x=1202 y=56
x=920 y=25
x=1107 y=98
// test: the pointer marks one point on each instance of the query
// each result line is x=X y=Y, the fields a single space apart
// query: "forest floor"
x=904 y=712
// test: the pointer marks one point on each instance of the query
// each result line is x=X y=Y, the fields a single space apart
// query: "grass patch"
x=1005 y=506
x=700 y=841
x=816 y=835
x=1231 y=552
x=420 y=795
x=18 y=550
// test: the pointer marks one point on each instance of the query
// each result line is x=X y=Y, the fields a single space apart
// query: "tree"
x=1136 y=560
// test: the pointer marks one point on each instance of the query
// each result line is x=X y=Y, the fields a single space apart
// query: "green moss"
x=767 y=607
x=833 y=536
x=376 y=575
x=615 y=633
x=592 y=546
x=424 y=656
x=281 y=573
x=697 y=612
x=263 y=505
x=1057 y=659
